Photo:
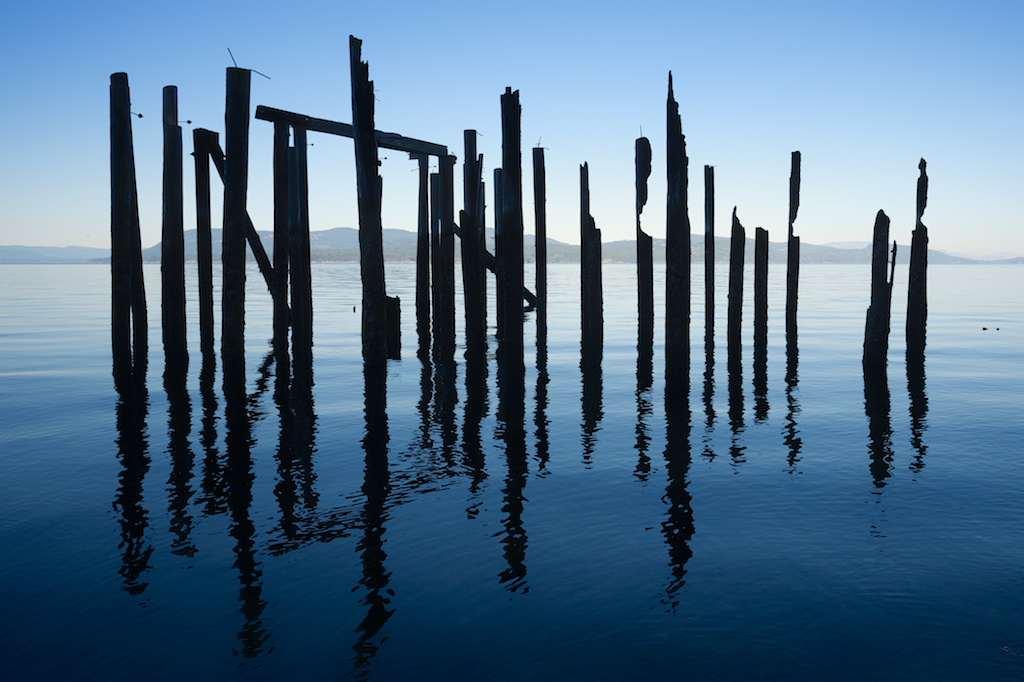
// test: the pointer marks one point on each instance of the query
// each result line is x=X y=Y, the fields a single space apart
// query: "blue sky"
x=863 y=90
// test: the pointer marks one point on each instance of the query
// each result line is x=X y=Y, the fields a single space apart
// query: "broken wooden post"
x=282 y=236
x=371 y=246
x=446 y=260
x=473 y=271
x=917 y=290
x=677 y=258
x=299 y=257
x=592 y=304
x=172 y=245
x=644 y=254
x=498 y=263
x=129 y=333
x=541 y=248
x=236 y=175
x=201 y=140
x=792 y=257
x=510 y=257
x=760 y=296
x=423 y=258
x=734 y=327
x=709 y=265
x=876 y=326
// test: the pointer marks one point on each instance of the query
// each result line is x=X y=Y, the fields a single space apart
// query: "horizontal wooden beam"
x=321 y=125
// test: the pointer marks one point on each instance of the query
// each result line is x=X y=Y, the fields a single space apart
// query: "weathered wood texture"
x=737 y=246
x=876 y=326
x=172 y=245
x=497 y=267
x=511 y=255
x=236 y=176
x=473 y=269
x=437 y=319
x=368 y=188
x=792 y=255
x=423 y=258
x=917 y=291
x=709 y=263
x=201 y=141
x=591 y=298
x=282 y=235
x=677 y=256
x=644 y=250
x=445 y=280
x=301 y=275
x=760 y=296
x=541 y=246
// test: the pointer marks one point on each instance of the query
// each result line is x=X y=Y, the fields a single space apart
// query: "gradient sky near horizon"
x=863 y=90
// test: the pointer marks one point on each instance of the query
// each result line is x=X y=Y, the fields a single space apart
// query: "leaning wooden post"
x=734 y=327
x=876 y=326
x=792 y=256
x=709 y=264
x=299 y=257
x=511 y=254
x=472 y=259
x=120 y=228
x=592 y=305
x=541 y=246
x=172 y=249
x=236 y=171
x=644 y=252
x=917 y=291
x=371 y=246
x=201 y=141
x=446 y=341
x=677 y=258
x=423 y=259
x=282 y=237
x=760 y=296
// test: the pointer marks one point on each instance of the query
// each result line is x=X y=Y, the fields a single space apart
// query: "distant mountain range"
x=341 y=245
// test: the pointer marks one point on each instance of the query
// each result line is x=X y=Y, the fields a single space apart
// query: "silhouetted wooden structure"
x=509 y=247
x=540 y=249
x=737 y=245
x=876 y=326
x=677 y=257
x=917 y=288
x=591 y=293
x=236 y=178
x=644 y=252
x=792 y=257
x=709 y=265
x=172 y=244
x=760 y=297
x=474 y=272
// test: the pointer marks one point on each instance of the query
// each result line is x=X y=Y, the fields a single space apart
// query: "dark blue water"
x=788 y=533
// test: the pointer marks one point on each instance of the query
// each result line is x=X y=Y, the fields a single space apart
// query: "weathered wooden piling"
x=737 y=246
x=236 y=174
x=876 y=326
x=917 y=290
x=444 y=280
x=499 y=277
x=511 y=254
x=437 y=319
x=301 y=275
x=368 y=185
x=709 y=265
x=792 y=257
x=591 y=298
x=172 y=245
x=423 y=258
x=473 y=268
x=282 y=236
x=677 y=257
x=644 y=251
x=201 y=141
x=760 y=296
x=540 y=249
x=123 y=220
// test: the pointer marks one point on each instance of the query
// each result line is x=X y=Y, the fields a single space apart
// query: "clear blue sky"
x=863 y=90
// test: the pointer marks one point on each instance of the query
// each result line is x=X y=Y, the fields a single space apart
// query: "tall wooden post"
x=371 y=246
x=201 y=142
x=541 y=248
x=499 y=265
x=423 y=259
x=473 y=271
x=301 y=276
x=917 y=291
x=709 y=264
x=876 y=326
x=677 y=257
x=436 y=267
x=446 y=279
x=760 y=297
x=120 y=228
x=236 y=177
x=511 y=254
x=172 y=255
x=282 y=236
x=792 y=257
x=592 y=313
x=644 y=253
x=737 y=247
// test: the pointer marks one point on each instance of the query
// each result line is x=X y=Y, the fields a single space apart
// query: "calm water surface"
x=785 y=532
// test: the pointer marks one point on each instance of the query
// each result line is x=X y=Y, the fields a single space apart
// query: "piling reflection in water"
x=179 y=492
x=540 y=418
x=709 y=407
x=295 y=447
x=918 y=412
x=678 y=524
x=790 y=431
x=132 y=451
x=593 y=389
x=876 y=406
x=511 y=431
x=736 y=423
